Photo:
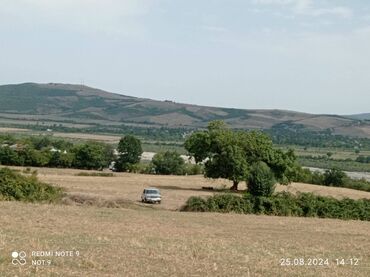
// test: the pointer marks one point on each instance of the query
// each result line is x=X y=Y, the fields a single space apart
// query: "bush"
x=227 y=203
x=169 y=162
x=334 y=177
x=193 y=169
x=14 y=186
x=9 y=156
x=142 y=168
x=283 y=204
x=261 y=181
x=195 y=204
x=359 y=184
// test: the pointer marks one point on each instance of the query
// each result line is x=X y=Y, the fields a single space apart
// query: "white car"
x=151 y=195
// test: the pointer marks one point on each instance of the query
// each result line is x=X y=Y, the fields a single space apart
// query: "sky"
x=303 y=55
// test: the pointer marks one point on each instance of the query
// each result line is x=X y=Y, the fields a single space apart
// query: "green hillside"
x=82 y=104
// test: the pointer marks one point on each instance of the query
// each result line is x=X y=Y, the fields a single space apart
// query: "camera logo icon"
x=19 y=258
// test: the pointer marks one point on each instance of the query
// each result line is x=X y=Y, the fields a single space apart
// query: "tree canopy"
x=130 y=151
x=169 y=162
x=230 y=154
x=91 y=155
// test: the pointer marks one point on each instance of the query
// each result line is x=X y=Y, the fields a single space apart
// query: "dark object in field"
x=208 y=188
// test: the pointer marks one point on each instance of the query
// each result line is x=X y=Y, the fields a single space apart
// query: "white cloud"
x=113 y=7
x=108 y=16
x=298 y=5
x=337 y=11
x=363 y=31
x=214 y=28
x=308 y=7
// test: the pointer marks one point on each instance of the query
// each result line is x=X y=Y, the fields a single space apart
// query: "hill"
x=362 y=116
x=82 y=104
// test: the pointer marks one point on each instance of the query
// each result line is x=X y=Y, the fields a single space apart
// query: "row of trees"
x=165 y=163
x=90 y=155
x=50 y=152
x=297 y=134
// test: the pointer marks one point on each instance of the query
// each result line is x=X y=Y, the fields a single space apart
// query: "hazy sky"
x=304 y=55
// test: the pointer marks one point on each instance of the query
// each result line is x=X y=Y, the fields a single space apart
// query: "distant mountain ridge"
x=362 y=116
x=65 y=102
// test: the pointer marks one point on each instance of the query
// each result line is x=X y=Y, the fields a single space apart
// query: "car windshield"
x=152 y=191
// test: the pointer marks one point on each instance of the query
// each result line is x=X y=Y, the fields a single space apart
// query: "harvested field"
x=129 y=242
x=175 y=189
x=116 y=235
x=12 y=130
x=83 y=136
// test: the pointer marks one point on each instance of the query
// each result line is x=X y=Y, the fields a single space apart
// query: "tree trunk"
x=235 y=186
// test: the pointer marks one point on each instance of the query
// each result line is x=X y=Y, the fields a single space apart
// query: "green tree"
x=90 y=155
x=334 y=177
x=169 y=162
x=32 y=157
x=229 y=154
x=40 y=142
x=9 y=156
x=261 y=180
x=130 y=150
x=63 y=160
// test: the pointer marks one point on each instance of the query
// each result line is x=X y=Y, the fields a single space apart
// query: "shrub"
x=359 y=184
x=9 y=156
x=169 y=162
x=193 y=169
x=261 y=181
x=334 y=177
x=195 y=204
x=14 y=186
x=283 y=204
x=226 y=203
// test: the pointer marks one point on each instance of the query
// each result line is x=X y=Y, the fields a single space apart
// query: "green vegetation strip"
x=95 y=174
x=346 y=165
x=332 y=178
x=283 y=204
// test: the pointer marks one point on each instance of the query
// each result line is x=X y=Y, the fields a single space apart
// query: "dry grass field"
x=175 y=189
x=157 y=240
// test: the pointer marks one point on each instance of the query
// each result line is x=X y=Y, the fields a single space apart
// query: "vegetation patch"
x=324 y=162
x=331 y=177
x=95 y=174
x=86 y=200
x=15 y=186
x=282 y=204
